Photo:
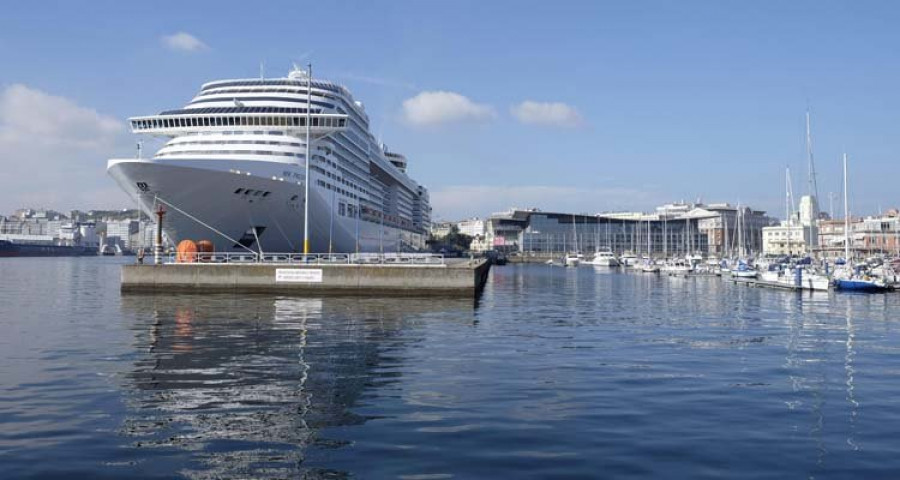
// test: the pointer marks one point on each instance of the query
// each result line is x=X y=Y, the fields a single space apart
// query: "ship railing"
x=305 y=259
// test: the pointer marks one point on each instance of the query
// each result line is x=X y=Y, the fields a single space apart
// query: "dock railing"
x=304 y=259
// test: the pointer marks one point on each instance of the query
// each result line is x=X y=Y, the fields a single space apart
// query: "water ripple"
x=555 y=372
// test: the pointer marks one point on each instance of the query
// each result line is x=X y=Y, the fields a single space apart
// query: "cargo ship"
x=13 y=249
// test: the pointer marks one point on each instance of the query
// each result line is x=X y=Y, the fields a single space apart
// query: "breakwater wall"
x=457 y=278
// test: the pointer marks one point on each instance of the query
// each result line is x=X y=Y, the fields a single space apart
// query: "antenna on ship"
x=262 y=70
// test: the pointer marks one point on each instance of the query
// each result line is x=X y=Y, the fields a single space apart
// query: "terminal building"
x=674 y=229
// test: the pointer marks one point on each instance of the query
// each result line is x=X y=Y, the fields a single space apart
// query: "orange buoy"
x=186 y=252
x=205 y=249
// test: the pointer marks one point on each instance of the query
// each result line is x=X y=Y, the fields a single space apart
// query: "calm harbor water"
x=553 y=373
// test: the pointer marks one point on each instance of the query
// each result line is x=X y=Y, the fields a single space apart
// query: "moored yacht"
x=796 y=276
x=233 y=171
x=649 y=266
x=573 y=259
x=605 y=258
x=628 y=259
x=742 y=270
x=678 y=266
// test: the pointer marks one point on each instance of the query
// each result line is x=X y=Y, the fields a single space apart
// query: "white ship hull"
x=677 y=270
x=744 y=273
x=808 y=281
x=605 y=262
x=227 y=218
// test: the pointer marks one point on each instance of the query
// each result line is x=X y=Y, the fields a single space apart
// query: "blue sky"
x=642 y=102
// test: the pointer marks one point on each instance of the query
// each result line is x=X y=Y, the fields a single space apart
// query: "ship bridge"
x=290 y=120
x=284 y=104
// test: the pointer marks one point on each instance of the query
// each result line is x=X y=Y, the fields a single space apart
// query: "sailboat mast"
x=727 y=246
x=575 y=233
x=813 y=185
x=608 y=243
x=787 y=206
x=665 y=236
x=846 y=215
x=813 y=190
x=787 y=194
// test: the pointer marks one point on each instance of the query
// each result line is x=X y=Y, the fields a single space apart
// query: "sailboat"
x=604 y=257
x=850 y=279
x=790 y=272
x=649 y=266
x=742 y=270
x=574 y=257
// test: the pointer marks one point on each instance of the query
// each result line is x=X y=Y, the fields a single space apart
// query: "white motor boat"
x=797 y=277
x=744 y=271
x=628 y=259
x=678 y=267
x=770 y=276
x=605 y=259
x=649 y=267
x=573 y=259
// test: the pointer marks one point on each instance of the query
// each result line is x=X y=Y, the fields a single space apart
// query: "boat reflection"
x=243 y=386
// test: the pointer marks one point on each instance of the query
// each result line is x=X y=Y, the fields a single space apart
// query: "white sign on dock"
x=298 y=275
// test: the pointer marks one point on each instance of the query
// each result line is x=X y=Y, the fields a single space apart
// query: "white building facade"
x=473 y=227
x=784 y=239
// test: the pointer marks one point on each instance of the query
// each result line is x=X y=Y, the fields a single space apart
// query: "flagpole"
x=306 y=182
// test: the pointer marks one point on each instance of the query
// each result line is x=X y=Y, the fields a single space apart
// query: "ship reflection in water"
x=246 y=384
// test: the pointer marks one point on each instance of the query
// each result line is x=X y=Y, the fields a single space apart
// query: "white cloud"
x=184 y=42
x=54 y=152
x=28 y=115
x=438 y=107
x=462 y=201
x=547 y=113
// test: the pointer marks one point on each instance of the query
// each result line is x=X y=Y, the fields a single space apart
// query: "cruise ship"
x=232 y=171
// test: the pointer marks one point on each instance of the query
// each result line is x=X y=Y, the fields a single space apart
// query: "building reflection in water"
x=242 y=386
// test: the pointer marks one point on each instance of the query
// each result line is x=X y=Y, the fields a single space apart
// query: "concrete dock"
x=457 y=277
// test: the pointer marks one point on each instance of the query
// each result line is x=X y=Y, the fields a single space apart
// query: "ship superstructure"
x=232 y=171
